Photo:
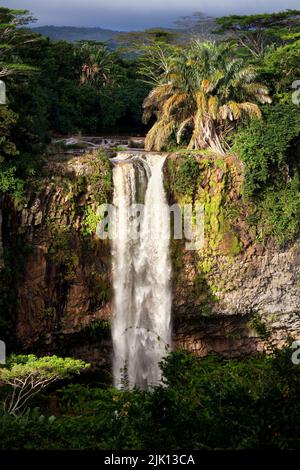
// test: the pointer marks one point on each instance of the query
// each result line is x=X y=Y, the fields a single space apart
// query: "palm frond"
x=213 y=106
x=158 y=135
x=259 y=91
x=251 y=109
x=172 y=102
x=182 y=127
x=225 y=113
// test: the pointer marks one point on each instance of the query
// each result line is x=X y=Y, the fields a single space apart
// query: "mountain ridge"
x=76 y=33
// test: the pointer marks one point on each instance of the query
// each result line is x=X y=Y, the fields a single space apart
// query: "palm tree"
x=97 y=65
x=204 y=91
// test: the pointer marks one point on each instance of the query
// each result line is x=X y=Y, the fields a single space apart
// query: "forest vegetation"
x=235 y=91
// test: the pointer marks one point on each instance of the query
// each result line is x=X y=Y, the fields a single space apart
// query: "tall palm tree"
x=205 y=92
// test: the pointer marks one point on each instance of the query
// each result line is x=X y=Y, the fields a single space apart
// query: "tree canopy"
x=28 y=375
x=255 y=33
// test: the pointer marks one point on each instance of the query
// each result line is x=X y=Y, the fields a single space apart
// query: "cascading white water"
x=141 y=328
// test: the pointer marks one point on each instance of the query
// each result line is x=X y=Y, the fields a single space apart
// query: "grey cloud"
x=137 y=14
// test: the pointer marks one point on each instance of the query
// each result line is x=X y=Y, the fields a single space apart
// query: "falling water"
x=141 y=327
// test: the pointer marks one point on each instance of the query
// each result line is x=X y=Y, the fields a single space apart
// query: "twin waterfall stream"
x=141 y=328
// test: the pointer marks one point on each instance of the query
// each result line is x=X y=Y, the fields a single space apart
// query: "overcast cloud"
x=137 y=14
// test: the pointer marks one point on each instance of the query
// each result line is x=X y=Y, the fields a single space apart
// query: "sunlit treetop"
x=12 y=18
x=288 y=18
x=12 y=37
x=255 y=33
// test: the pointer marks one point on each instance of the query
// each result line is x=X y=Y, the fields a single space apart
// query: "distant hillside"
x=72 y=33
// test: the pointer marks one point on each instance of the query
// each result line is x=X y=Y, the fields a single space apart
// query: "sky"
x=137 y=14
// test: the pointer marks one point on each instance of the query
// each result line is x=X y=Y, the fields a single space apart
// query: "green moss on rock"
x=215 y=183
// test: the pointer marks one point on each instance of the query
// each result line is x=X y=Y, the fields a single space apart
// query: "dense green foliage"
x=47 y=94
x=186 y=176
x=207 y=403
x=238 y=96
x=66 y=104
x=12 y=39
x=269 y=148
x=255 y=34
x=8 y=153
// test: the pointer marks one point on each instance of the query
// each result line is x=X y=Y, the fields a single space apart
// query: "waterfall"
x=141 y=328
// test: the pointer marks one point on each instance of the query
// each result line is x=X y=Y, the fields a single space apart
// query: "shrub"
x=186 y=176
x=264 y=147
x=204 y=403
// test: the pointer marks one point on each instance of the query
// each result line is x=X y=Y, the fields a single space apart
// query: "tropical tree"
x=202 y=92
x=133 y=42
x=13 y=37
x=28 y=375
x=98 y=63
x=256 y=33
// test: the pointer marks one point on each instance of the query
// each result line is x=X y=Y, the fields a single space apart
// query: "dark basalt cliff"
x=63 y=290
x=232 y=297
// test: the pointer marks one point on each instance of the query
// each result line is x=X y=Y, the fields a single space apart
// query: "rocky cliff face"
x=228 y=298
x=64 y=291
x=254 y=298
x=238 y=294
